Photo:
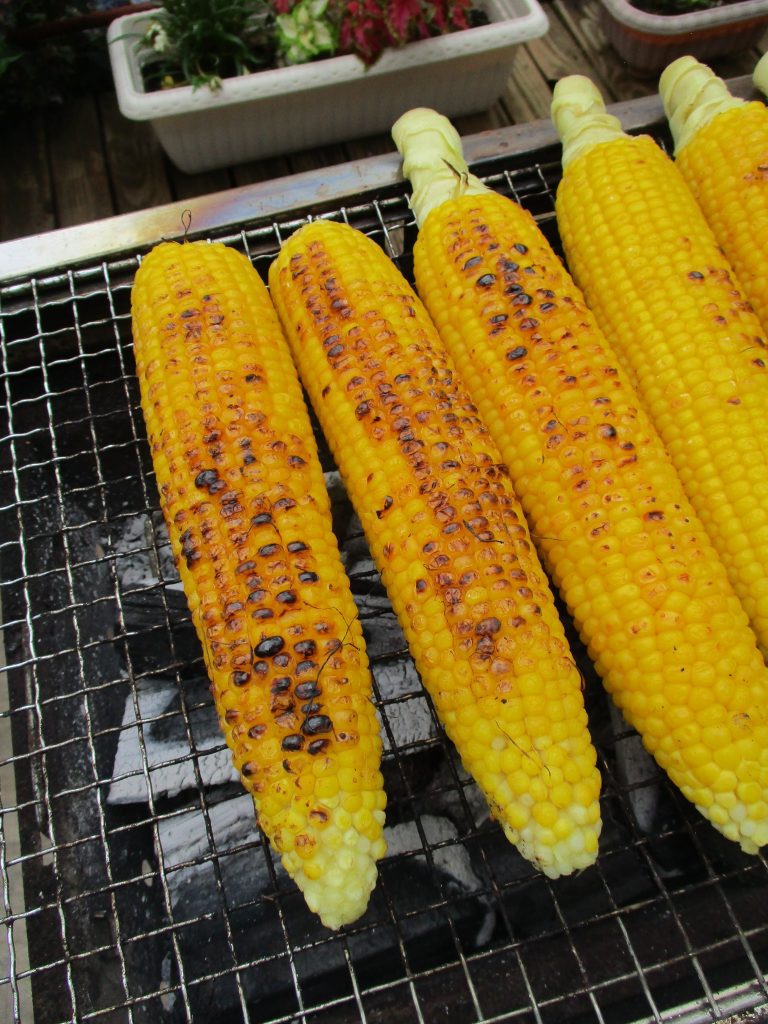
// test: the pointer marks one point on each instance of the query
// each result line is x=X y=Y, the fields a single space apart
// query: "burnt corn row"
x=609 y=515
x=449 y=538
x=243 y=497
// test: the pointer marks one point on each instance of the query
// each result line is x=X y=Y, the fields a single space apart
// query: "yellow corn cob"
x=721 y=150
x=248 y=515
x=667 y=299
x=448 y=536
x=647 y=592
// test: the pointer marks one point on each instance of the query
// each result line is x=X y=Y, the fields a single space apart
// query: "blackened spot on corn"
x=282 y=660
x=306 y=666
x=654 y=515
x=758 y=362
x=362 y=410
x=517 y=353
x=308 y=577
x=550 y=425
x=626 y=446
x=335 y=350
x=522 y=299
x=529 y=324
x=606 y=430
x=569 y=379
x=296 y=545
x=296 y=461
x=330 y=340
x=209 y=480
x=294 y=741
x=696 y=275
x=499 y=318
x=261 y=518
x=248 y=769
x=281 y=685
x=311 y=708
x=232 y=607
x=231 y=715
x=545 y=307
x=245 y=567
x=485 y=281
x=187 y=313
x=250 y=378
x=520 y=247
x=472 y=262
x=306 y=648
x=267 y=550
x=317 y=747
x=240 y=678
x=508 y=266
x=316 y=724
x=307 y=690
x=387 y=505
x=326 y=391
x=262 y=613
x=487 y=627
x=284 y=503
x=451 y=528
x=421 y=586
x=286 y=597
x=269 y=646
x=261 y=668
x=257 y=596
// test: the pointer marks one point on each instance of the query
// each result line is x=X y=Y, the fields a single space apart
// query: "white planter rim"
x=512 y=21
x=691 y=21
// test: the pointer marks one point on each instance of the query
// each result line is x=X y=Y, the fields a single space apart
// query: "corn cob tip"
x=760 y=75
x=580 y=118
x=692 y=95
x=433 y=160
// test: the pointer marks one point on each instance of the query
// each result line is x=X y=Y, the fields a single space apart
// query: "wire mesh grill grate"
x=135 y=884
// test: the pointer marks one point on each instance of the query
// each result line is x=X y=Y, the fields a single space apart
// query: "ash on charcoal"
x=215 y=858
x=154 y=740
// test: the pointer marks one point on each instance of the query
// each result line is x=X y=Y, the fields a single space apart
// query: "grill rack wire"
x=135 y=886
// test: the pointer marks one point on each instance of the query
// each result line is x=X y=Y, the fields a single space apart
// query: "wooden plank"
x=558 y=53
x=203 y=183
x=26 y=197
x=80 y=180
x=135 y=159
x=528 y=94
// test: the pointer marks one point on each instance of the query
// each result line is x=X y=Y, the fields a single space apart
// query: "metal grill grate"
x=135 y=884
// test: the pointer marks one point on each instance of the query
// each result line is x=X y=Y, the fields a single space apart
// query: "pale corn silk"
x=243 y=496
x=448 y=536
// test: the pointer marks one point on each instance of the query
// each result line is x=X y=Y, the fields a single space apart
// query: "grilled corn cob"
x=667 y=299
x=616 y=532
x=448 y=536
x=721 y=150
x=248 y=515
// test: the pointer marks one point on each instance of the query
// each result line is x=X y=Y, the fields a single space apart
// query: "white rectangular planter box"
x=651 y=41
x=284 y=110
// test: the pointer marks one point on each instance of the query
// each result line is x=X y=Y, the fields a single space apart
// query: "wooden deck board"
x=84 y=161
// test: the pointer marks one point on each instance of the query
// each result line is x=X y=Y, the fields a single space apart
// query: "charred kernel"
x=256 y=596
x=317 y=747
x=499 y=318
x=269 y=646
x=528 y=324
x=261 y=668
x=517 y=353
x=240 y=678
x=485 y=281
x=386 y=506
x=508 y=266
x=306 y=666
x=421 y=586
x=262 y=613
x=261 y=518
x=472 y=262
x=522 y=299
x=248 y=769
x=267 y=550
x=486 y=627
x=654 y=514
x=257 y=730
x=305 y=691
x=305 y=647
x=310 y=708
x=316 y=724
x=294 y=741
x=696 y=275
x=335 y=350
x=284 y=503
x=231 y=715
x=520 y=247
x=606 y=430
x=296 y=461
x=545 y=307
x=286 y=597
x=245 y=567
x=206 y=478
x=282 y=660
x=308 y=577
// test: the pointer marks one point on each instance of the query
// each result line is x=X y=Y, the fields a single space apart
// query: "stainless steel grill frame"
x=160 y=907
